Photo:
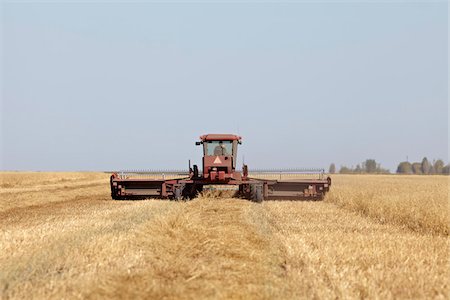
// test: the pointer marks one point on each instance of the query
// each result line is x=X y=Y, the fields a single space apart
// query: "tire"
x=256 y=193
x=191 y=191
x=319 y=197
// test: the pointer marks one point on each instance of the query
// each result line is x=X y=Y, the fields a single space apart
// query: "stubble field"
x=382 y=237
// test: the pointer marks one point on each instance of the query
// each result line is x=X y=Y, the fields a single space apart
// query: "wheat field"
x=376 y=237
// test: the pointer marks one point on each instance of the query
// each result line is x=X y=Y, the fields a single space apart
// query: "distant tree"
x=425 y=166
x=417 y=168
x=370 y=166
x=432 y=171
x=446 y=170
x=383 y=170
x=332 y=169
x=438 y=166
x=345 y=170
x=404 y=168
x=367 y=166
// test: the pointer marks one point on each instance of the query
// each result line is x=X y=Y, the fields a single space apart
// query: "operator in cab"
x=220 y=149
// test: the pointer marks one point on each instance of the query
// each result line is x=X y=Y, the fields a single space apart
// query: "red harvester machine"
x=219 y=168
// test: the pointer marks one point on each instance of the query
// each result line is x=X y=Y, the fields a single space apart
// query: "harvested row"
x=31 y=189
x=205 y=248
x=63 y=250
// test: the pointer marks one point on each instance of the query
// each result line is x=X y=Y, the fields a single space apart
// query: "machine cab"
x=219 y=154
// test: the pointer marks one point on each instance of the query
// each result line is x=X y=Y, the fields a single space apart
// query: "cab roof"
x=220 y=137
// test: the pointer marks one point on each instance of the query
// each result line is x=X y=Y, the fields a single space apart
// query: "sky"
x=117 y=85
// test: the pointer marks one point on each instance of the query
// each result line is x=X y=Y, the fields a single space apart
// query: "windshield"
x=219 y=148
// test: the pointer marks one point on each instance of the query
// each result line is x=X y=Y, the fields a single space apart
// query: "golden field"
x=382 y=237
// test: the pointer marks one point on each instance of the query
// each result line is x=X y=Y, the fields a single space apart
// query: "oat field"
x=375 y=237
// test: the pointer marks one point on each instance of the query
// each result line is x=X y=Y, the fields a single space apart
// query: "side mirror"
x=239 y=142
x=198 y=143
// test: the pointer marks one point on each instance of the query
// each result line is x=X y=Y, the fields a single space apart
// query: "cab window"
x=219 y=148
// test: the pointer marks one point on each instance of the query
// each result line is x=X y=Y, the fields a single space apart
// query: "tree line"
x=424 y=167
x=371 y=166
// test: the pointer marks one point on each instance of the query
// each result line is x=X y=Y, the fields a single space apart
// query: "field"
x=378 y=237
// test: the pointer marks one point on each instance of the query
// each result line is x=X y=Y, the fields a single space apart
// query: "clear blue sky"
x=104 y=86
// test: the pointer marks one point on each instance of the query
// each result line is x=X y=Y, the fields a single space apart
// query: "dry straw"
x=378 y=237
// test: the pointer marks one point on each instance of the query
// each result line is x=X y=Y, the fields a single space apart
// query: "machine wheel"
x=191 y=191
x=319 y=197
x=198 y=189
x=256 y=193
